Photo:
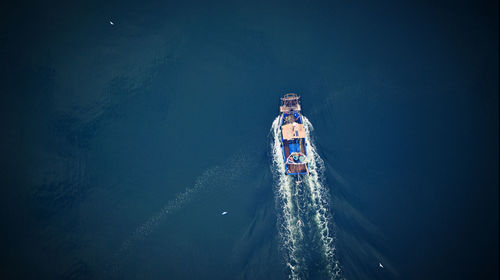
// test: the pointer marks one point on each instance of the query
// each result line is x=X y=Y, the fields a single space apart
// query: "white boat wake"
x=305 y=221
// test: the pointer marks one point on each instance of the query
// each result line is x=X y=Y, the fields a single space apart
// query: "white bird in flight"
x=112 y=23
x=224 y=213
x=380 y=265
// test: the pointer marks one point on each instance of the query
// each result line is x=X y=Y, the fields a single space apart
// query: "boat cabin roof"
x=293 y=131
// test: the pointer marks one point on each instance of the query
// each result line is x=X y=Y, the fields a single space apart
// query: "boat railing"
x=290 y=102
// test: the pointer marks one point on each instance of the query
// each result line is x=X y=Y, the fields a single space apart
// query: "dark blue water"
x=122 y=144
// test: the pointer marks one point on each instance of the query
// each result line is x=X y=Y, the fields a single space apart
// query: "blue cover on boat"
x=294 y=148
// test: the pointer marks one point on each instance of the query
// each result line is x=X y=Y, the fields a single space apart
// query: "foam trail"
x=314 y=200
x=320 y=201
x=150 y=225
x=222 y=176
x=289 y=231
x=145 y=229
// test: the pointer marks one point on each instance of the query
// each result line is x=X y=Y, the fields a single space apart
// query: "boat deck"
x=293 y=135
x=297 y=168
x=285 y=109
x=287 y=148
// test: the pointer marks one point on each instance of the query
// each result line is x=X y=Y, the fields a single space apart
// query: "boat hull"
x=294 y=150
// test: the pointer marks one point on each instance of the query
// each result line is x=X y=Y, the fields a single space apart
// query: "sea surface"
x=129 y=127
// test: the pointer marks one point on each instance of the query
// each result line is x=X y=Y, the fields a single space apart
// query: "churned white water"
x=303 y=205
